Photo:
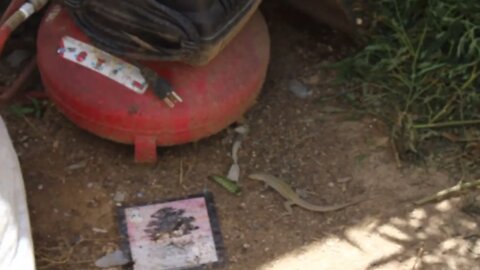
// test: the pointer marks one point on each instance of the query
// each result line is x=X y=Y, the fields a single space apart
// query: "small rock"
x=90 y=185
x=99 y=230
x=234 y=173
x=299 y=89
x=243 y=205
x=242 y=130
x=77 y=166
x=40 y=187
x=246 y=246
x=114 y=259
x=119 y=197
x=331 y=185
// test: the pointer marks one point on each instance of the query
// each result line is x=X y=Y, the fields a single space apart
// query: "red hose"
x=5 y=31
x=4 y=35
x=8 y=92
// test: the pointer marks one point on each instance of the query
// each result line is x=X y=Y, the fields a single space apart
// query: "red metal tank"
x=215 y=95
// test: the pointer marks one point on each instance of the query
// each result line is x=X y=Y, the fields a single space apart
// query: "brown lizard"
x=292 y=197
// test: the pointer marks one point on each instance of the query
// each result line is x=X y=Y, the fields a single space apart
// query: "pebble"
x=77 y=166
x=299 y=89
x=119 y=197
x=246 y=246
x=117 y=258
x=40 y=187
x=242 y=130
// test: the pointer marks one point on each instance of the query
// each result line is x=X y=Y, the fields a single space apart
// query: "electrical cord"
x=141 y=29
x=147 y=30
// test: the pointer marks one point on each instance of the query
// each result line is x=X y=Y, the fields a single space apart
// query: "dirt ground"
x=328 y=151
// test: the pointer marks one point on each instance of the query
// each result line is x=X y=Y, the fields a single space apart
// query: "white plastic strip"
x=103 y=63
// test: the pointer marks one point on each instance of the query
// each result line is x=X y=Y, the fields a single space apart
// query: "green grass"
x=34 y=107
x=420 y=70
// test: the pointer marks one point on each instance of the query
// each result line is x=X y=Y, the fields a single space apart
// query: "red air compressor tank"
x=105 y=96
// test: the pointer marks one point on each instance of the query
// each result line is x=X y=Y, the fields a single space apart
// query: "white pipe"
x=24 y=12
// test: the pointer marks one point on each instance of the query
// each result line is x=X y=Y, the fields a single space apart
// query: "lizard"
x=294 y=199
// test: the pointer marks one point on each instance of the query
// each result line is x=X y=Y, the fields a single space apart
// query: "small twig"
x=34 y=128
x=316 y=161
x=449 y=191
x=59 y=260
x=180 y=176
x=420 y=253
x=64 y=254
x=447 y=124
x=395 y=153
x=191 y=166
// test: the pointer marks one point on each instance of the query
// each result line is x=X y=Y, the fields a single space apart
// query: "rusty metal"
x=8 y=92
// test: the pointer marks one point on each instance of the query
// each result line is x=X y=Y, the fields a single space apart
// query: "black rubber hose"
x=141 y=29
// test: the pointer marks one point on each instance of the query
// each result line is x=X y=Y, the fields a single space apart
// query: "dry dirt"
x=328 y=151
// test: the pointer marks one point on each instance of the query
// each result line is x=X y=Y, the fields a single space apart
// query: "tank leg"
x=145 y=149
